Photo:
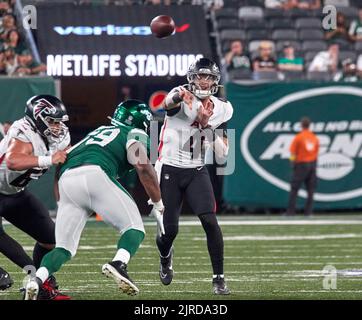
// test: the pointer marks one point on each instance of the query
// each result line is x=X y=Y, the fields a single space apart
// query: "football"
x=162 y=26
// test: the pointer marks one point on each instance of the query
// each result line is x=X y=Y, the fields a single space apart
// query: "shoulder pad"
x=222 y=99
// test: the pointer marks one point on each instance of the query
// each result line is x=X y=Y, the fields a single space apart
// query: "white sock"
x=122 y=255
x=42 y=274
x=215 y=275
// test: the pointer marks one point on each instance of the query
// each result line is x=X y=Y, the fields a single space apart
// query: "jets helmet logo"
x=147 y=114
x=41 y=106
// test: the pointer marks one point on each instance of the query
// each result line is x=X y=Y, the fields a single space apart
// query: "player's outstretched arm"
x=19 y=156
x=137 y=156
x=176 y=96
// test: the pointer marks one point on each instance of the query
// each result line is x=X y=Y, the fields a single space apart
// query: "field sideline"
x=266 y=257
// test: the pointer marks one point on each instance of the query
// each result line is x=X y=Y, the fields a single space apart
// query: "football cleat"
x=49 y=291
x=35 y=290
x=219 y=286
x=118 y=271
x=5 y=280
x=166 y=271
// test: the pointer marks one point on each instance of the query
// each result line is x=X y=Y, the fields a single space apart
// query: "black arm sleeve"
x=173 y=111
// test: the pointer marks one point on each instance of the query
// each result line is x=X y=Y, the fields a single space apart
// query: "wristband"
x=176 y=98
x=44 y=161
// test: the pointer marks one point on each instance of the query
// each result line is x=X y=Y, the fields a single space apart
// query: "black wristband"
x=176 y=98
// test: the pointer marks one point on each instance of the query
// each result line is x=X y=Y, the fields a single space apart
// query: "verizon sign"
x=116 y=41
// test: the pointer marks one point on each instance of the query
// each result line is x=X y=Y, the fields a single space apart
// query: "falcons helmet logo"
x=43 y=106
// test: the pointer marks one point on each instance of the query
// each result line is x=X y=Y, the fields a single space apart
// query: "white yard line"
x=321 y=263
x=257 y=222
x=271 y=222
x=291 y=237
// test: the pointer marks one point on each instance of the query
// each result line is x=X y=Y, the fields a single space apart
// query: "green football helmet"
x=133 y=113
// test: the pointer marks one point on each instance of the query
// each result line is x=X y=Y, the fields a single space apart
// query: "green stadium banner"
x=266 y=118
x=14 y=92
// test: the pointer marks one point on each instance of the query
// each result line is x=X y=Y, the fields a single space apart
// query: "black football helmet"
x=203 y=66
x=44 y=110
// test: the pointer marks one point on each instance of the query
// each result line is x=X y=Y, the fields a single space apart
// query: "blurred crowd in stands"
x=15 y=58
x=209 y=4
x=285 y=39
x=256 y=39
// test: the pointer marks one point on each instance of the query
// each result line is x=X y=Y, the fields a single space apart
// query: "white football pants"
x=87 y=189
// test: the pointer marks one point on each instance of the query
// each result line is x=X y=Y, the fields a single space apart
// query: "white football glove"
x=157 y=213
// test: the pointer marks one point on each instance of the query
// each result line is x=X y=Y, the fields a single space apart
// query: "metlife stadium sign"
x=111 y=41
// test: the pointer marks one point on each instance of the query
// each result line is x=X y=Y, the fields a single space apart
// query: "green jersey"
x=107 y=148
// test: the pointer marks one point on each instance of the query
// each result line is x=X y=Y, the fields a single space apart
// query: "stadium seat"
x=317 y=13
x=343 y=44
x=259 y=3
x=235 y=4
x=311 y=34
x=240 y=74
x=282 y=34
x=251 y=13
x=293 y=75
x=254 y=24
x=281 y=23
x=309 y=56
x=254 y=45
x=321 y=76
x=226 y=13
x=350 y=12
x=358 y=46
x=266 y=75
x=274 y=13
x=308 y=23
x=258 y=34
x=337 y=3
x=347 y=54
x=314 y=45
x=298 y=13
x=228 y=24
x=232 y=34
x=355 y=3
